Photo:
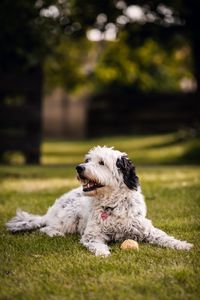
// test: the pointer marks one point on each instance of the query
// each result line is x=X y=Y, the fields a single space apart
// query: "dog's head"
x=106 y=169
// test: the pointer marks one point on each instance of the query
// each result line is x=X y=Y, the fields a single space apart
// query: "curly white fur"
x=112 y=212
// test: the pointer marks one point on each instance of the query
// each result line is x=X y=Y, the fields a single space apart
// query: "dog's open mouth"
x=88 y=184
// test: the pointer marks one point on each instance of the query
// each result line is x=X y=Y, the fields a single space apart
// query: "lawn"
x=33 y=266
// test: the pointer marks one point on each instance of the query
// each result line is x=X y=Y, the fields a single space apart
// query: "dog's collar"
x=107 y=210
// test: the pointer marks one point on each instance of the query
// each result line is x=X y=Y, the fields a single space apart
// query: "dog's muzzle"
x=87 y=183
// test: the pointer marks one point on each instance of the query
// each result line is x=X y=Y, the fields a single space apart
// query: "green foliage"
x=66 y=67
x=161 y=69
x=115 y=66
x=34 y=266
x=149 y=67
x=104 y=65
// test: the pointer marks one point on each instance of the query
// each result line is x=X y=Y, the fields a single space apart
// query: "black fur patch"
x=128 y=170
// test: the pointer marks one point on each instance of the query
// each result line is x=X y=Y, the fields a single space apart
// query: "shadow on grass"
x=173 y=142
x=191 y=156
x=178 y=138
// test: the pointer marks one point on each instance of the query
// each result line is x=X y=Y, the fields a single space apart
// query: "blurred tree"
x=169 y=23
x=144 y=31
x=23 y=37
x=31 y=31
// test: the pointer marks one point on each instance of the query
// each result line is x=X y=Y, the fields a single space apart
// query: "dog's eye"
x=87 y=160
x=101 y=162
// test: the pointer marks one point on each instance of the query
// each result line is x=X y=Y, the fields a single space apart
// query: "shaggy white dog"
x=108 y=207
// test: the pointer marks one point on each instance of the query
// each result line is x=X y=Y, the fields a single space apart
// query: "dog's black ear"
x=128 y=170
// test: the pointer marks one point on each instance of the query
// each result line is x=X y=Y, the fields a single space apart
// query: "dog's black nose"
x=80 y=168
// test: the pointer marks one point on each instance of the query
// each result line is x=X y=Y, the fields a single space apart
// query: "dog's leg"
x=156 y=236
x=50 y=231
x=95 y=244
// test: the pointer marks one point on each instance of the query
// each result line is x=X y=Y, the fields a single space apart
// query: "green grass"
x=174 y=148
x=34 y=266
x=157 y=149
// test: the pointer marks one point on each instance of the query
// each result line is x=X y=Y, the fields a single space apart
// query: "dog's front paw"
x=101 y=252
x=188 y=246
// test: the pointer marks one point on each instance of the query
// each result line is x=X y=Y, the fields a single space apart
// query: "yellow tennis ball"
x=129 y=244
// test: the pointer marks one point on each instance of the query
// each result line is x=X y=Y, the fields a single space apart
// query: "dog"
x=109 y=206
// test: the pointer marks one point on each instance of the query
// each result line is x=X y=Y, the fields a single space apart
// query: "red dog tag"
x=104 y=215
